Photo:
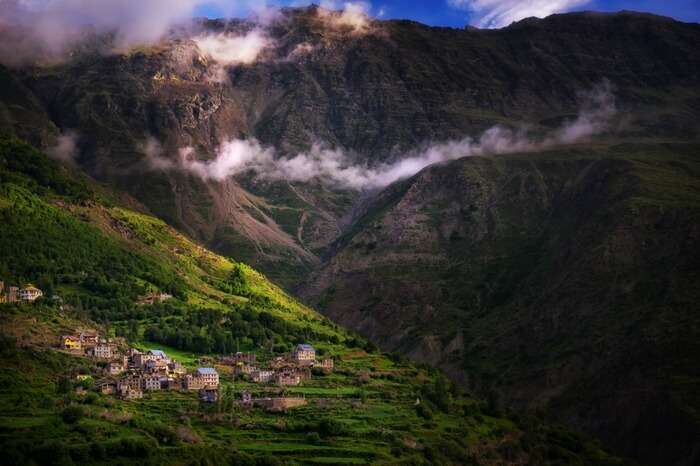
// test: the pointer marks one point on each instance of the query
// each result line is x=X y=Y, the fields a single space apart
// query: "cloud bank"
x=336 y=168
x=501 y=13
x=233 y=50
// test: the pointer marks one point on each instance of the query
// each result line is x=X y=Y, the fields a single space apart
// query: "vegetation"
x=99 y=258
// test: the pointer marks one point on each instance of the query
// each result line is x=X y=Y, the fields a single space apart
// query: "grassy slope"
x=64 y=231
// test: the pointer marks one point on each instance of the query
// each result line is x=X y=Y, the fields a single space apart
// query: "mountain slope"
x=395 y=87
x=74 y=238
x=561 y=279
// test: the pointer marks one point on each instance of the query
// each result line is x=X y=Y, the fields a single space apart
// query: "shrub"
x=424 y=411
x=331 y=428
x=72 y=414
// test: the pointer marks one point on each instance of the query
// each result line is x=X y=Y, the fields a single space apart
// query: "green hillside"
x=72 y=239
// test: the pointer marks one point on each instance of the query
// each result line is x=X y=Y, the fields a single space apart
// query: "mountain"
x=80 y=242
x=557 y=279
x=390 y=87
x=562 y=279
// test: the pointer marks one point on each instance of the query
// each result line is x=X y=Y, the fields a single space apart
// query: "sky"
x=480 y=13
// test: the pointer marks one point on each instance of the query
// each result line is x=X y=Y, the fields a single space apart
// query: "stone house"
x=244 y=369
x=261 y=376
x=209 y=377
x=30 y=293
x=115 y=368
x=88 y=339
x=126 y=392
x=12 y=294
x=191 y=382
x=326 y=364
x=71 y=342
x=176 y=368
x=150 y=382
x=304 y=354
x=107 y=388
x=287 y=378
x=101 y=351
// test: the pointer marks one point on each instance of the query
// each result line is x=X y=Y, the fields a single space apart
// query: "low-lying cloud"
x=336 y=168
x=228 y=49
x=65 y=147
x=501 y=13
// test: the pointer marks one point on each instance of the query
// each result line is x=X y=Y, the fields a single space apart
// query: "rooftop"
x=206 y=370
x=305 y=347
x=159 y=353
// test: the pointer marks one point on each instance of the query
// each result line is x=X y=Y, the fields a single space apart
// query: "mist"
x=336 y=168
x=65 y=148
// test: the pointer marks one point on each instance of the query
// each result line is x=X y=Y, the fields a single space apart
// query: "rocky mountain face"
x=374 y=92
x=560 y=281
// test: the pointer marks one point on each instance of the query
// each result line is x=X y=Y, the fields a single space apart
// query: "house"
x=12 y=294
x=245 y=369
x=101 y=351
x=208 y=395
x=115 y=368
x=304 y=354
x=167 y=383
x=30 y=293
x=150 y=382
x=140 y=359
x=287 y=378
x=192 y=382
x=88 y=339
x=159 y=354
x=209 y=377
x=107 y=388
x=71 y=342
x=261 y=376
x=176 y=368
x=159 y=366
x=133 y=383
x=326 y=365
x=126 y=392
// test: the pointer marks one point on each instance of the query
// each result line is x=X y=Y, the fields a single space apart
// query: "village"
x=128 y=373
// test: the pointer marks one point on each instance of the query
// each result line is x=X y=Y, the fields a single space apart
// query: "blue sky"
x=483 y=13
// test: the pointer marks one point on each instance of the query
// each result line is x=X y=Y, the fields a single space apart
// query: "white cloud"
x=229 y=49
x=336 y=168
x=348 y=15
x=500 y=13
x=65 y=148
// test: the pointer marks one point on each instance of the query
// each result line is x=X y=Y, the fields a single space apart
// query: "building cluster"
x=15 y=294
x=129 y=374
x=288 y=370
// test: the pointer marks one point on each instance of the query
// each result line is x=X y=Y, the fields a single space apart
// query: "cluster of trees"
x=215 y=331
x=44 y=244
